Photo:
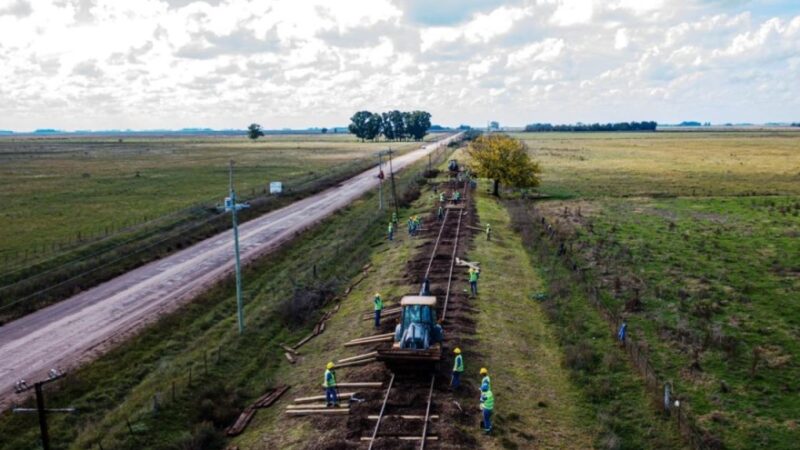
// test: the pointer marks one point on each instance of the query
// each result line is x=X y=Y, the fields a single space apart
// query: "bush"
x=305 y=302
x=204 y=437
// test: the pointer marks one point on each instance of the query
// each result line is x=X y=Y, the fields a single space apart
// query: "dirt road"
x=83 y=327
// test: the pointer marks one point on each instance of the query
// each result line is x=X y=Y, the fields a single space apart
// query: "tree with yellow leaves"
x=504 y=160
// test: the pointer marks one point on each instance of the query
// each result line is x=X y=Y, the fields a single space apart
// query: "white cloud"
x=155 y=63
x=621 y=39
x=573 y=12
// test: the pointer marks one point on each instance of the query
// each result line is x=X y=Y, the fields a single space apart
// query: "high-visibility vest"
x=487 y=400
x=330 y=379
x=458 y=366
x=378 y=303
x=391 y=227
x=473 y=275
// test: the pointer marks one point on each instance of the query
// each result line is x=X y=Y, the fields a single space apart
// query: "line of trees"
x=796 y=124
x=392 y=125
x=620 y=126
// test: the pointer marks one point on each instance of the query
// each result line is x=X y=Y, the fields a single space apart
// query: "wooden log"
x=356 y=363
x=322 y=327
x=269 y=398
x=374 y=336
x=289 y=349
x=402 y=438
x=357 y=357
x=316 y=398
x=329 y=411
x=402 y=417
x=313 y=406
x=241 y=423
x=361 y=384
x=289 y=357
x=374 y=341
x=304 y=340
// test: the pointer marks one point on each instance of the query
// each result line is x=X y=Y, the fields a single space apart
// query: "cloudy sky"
x=143 y=64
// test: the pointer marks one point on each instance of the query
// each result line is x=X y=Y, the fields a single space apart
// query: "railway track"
x=403 y=411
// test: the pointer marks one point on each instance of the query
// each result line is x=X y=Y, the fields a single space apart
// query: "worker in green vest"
x=458 y=369
x=486 y=380
x=329 y=383
x=390 y=231
x=473 y=280
x=488 y=232
x=378 y=302
x=487 y=406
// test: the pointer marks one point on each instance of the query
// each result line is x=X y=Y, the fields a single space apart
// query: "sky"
x=155 y=64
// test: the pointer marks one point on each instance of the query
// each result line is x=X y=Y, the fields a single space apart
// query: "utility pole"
x=380 y=181
x=40 y=410
x=232 y=206
x=394 y=188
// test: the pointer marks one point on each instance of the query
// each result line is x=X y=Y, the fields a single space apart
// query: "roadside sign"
x=275 y=187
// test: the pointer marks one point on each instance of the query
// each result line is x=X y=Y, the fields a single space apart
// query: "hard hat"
x=377 y=294
x=457 y=351
x=484 y=370
x=330 y=365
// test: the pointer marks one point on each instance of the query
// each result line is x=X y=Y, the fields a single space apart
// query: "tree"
x=396 y=119
x=323 y=130
x=417 y=124
x=388 y=126
x=254 y=131
x=504 y=160
x=358 y=124
x=374 y=126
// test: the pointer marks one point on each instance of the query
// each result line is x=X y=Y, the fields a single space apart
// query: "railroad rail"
x=427 y=418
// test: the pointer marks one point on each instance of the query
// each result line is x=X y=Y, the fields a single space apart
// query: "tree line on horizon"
x=392 y=125
x=619 y=126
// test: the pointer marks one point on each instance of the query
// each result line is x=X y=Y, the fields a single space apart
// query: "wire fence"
x=554 y=246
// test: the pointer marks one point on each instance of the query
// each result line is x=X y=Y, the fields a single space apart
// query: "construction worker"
x=378 y=302
x=458 y=196
x=623 y=331
x=394 y=217
x=486 y=380
x=441 y=197
x=329 y=383
x=458 y=369
x=410 y=225
x=488 y=232
x=440 y=213
x=418 y=223
x=487 y=406
x=473 y=281
x=391 y=231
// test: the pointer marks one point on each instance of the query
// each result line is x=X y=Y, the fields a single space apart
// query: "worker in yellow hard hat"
x=485 y=380
x=329 y=383
x=378 y=304
x=458 y=369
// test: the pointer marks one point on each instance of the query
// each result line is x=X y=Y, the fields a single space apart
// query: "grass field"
x=79 y=211
x=694 y=239
x=53 y=189
x=192 y=364
x=667 y=164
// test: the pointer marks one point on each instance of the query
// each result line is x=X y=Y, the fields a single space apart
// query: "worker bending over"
x=378 y=302
x=458 y=369
x=487 y=406
x=329 y=383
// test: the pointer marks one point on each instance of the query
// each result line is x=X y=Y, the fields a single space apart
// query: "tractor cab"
x=418 y=336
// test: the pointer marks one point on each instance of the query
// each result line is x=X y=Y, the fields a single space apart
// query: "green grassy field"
x=215 y=373
x=667 y=164
x=694 y=238
x=79 y=211
x=53 y=189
